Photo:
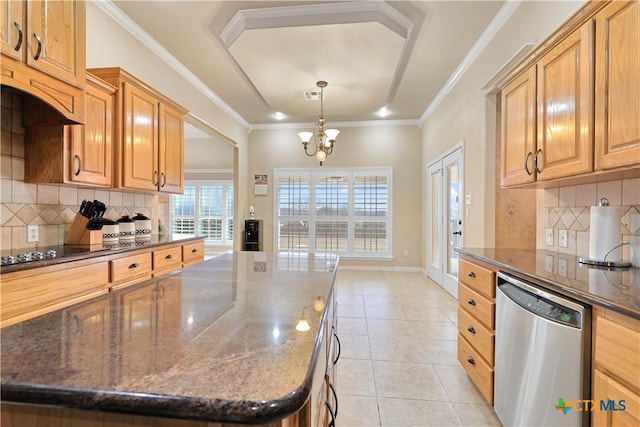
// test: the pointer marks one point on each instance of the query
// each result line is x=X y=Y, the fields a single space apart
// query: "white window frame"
x=350 y=218
x=224 y=217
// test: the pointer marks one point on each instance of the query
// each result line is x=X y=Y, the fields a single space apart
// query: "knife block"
x=79 y=234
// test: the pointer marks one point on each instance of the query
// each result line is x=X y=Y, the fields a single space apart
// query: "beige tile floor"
x=399 y=365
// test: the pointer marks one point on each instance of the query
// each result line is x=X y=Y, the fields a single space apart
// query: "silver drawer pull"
x=19 y=43
x=168 y=256
x=193 y=251
x=134 y=265
x=471 y=329
x=472 y=274
x=39 y=51
x=470 y=301
x=470 y=360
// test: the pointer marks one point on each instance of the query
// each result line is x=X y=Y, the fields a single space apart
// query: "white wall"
x=468 y=113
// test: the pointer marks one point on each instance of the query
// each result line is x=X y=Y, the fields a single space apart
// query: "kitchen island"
x=214 y=342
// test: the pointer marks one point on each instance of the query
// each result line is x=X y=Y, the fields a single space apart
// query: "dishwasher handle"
x=543 y=304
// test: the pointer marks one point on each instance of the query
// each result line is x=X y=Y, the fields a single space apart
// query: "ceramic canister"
x=143 y=227
x=110 y=231
x=127 y=229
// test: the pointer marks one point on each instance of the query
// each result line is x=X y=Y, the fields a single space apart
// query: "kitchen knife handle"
x=19 y=43
x=39 y=51
x=77 y=172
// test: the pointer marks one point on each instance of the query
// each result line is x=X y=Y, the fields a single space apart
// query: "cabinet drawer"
x=478 y=370
x=481 y=338
x=131 y=268
x=606 y=389
x=165 y=260
x=478 y=278
x=193 y=252
x=478 y=306
x=30 y=293
x=616 y=350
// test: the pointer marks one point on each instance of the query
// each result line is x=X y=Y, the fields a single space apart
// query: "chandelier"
x=323 y=138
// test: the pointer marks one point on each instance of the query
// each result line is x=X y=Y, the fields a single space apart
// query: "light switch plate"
x=468 y=199
x=549 y=237
x=548 y=263
x=563 y=239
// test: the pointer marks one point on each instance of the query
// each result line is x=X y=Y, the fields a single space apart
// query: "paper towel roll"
x=605 y=233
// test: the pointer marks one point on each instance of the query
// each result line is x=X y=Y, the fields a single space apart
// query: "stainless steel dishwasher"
x=542 y=356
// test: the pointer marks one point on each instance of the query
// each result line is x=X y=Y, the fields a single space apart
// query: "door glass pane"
x=435 y=220
x=453 y=200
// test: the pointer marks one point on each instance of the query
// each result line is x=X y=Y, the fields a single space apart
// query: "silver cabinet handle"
x=470 y=301
x=471 y=329
x=339 y=348
x=472 y=274
x=77 y=172
x=470 y=360
x=168 y=256
x=535 y=160
x=335 y=397
x=194 y=250
x=155 y=177
x=39 y=51
x=134 y=265
x=164 y=179
x=526 y=163
x=19 y=44
x=332 y=423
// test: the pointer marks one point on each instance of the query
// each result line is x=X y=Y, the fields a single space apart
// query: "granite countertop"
x=617 y=289
x=67 y=253
x=215 y=342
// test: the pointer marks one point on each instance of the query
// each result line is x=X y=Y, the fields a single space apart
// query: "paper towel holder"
x=602 y=263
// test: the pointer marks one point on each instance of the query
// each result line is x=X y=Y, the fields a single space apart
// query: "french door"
x=444 y=218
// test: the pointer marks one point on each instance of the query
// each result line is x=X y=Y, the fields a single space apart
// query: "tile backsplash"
x=569 y=208
x=51 y=207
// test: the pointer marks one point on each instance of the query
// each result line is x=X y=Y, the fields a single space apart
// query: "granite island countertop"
x=617 y=289
x=214 y=342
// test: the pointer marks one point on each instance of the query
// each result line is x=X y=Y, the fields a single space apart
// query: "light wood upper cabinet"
x=149 y=141
x=44 y=52
x=518 y=129
x=55 y=47
x=12 y=29
x=140 y=139
x=617 y=89
x=564 y=143
x=75 y=154
x=171 y=150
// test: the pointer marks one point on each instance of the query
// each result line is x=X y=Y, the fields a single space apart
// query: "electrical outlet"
x=32 y=233
x=563 y=239
x=549 y=237
x=406 y=252
x=563 y=264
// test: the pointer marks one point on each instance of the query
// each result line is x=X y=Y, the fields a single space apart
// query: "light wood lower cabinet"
x=30 y=293
x=192 y=253
x=167 y=260
x=616 y=373
x=476 y=323
x=130 y=269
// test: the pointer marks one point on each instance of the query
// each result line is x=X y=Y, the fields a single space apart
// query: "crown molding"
x=128 y=24
x=483 y=41
x=309 y=125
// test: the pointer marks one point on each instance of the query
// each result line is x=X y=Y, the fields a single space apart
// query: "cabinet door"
x=615 y=395
x=12 y=30
x=56 y=39
x=91 y=143
x=140 y=145
x=617 y=115
x=565 y=81
x=518 y=130
x=171 y=147
x=85 y=338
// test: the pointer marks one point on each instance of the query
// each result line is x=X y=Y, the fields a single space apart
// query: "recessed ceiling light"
x=278 y=115
x=383 y=112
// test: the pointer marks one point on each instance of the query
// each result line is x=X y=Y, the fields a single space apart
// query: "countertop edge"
x=553 y=286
